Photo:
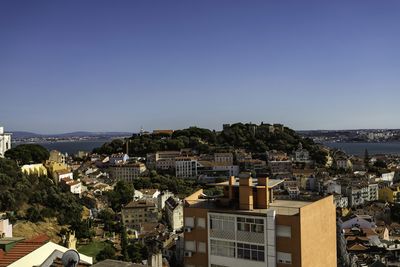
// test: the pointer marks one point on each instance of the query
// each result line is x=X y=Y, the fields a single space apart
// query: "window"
x=189 y=221
x=283 y=231
x=250 y=225
x=201 y=222
x=223 y=248
x=201 y=247
x=283 y=257
x=190 y=245
x=250 y=252
x=222 y=223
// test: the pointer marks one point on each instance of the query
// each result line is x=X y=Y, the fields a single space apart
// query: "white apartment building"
x=373 y=193
x=127 y=172
x=162 y=197
x=237 y=240
x=360 y=194
x=147 y=193
x=162 y=160
x=74 y=186
x=301 y=155
x=232 y=170
x=186 y=167
x=174 y=209
x=64 y=174
x=341 y=201
x=223 y=158
x=5 y=142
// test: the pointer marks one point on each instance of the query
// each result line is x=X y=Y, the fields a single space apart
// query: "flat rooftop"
x=271 y=182
x=290 y=203
x=281 y=207
x=288 y=207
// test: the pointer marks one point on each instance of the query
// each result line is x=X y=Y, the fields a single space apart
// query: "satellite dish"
x=70 y=258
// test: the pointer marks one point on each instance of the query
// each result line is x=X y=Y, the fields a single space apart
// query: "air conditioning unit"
x=188 y=254
x=188 y=229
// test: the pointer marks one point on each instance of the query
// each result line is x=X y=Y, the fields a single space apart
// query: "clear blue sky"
x=118 y=65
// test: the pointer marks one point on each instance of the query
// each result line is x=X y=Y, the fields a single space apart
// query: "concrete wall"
x=290 y=244
x=318 y=234
x=6 y=228
x=198 y=234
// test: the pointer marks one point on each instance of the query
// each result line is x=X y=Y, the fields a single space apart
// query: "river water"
x=373 y=148
x=72 y=147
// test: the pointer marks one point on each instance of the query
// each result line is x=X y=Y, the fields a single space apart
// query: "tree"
x=108 y=252
x=124 y=244
x=108 y=219
x=44 y=197
x=380 y=164
x=28 y=153
x=137 y=252
x=121 y=195
x=33 y=215
x=366 y=158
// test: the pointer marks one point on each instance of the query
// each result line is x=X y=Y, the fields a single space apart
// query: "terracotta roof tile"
x=22 y=249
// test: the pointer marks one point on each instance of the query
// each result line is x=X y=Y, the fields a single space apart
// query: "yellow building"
x=57 y=156
x=34 y=169
x=390 y=194
x=56 y=167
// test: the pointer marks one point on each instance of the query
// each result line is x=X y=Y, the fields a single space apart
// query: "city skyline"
x=102 y=66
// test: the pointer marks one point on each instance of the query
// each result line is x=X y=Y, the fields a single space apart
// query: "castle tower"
x=5 y=142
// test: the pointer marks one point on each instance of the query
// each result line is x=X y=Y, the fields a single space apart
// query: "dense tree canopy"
x=44 y=197
x=181 y=187
x=28 y=153
x=121 y=195
x=253 y=138
x=14 y=186
x=115 y=146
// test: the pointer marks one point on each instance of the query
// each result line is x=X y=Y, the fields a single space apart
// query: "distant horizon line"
x=135 y=132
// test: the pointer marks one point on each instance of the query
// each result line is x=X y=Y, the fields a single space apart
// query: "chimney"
x=232 y=181
x=245 y=191
x=262 y=193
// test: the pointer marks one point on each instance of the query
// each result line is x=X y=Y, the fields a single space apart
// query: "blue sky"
x=118 y=65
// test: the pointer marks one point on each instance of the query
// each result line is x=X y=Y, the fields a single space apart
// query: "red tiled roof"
x=22 y=249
